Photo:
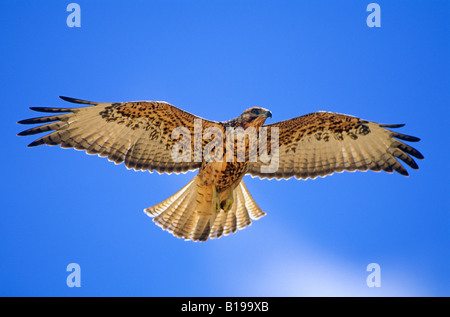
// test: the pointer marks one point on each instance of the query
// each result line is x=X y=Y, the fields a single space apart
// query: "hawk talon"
x=228 y=203
x=215 y=200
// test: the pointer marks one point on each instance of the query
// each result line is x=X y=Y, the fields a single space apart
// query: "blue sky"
x=215 y=59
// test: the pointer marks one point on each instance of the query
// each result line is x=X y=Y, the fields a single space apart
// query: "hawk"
x=216 y=201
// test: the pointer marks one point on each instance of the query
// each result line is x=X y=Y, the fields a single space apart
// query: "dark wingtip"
x=66 y=98
x=39 y=109
x=80 y=101
x=416 y=154
x=28 y=121
x=393 y=126
x=51 y=110
x=35 y=143
x=413 y=139
x=405 y=137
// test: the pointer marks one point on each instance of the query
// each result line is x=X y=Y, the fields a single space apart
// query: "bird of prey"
x=216 y=201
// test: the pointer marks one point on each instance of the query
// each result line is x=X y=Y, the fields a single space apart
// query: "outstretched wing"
x=321 y=143
x=138 y=133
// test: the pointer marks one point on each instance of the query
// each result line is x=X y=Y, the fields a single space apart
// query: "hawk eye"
x=255 y=111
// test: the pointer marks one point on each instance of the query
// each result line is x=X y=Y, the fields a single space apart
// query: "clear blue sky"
x=215 y=59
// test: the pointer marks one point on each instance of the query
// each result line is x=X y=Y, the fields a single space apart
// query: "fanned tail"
x=188 y=214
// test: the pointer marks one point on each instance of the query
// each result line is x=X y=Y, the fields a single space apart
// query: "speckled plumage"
x=140 y=134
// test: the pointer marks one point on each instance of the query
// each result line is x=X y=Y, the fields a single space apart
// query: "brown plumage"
x=216 y=201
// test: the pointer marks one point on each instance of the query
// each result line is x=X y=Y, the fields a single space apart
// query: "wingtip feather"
x=35 y=143
x=74 y=100
x=394 y=126
x=47 y=109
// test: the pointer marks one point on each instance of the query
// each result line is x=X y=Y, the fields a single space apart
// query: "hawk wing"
x=138 y=133
x=321 y=143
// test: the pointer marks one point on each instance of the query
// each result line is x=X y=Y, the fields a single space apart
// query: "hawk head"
x=253 y=117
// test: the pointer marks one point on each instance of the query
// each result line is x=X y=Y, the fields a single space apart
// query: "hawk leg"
x=228 y=203
x=215 y=200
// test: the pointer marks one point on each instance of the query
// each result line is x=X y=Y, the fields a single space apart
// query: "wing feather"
x=137 y=133
x=322 y=143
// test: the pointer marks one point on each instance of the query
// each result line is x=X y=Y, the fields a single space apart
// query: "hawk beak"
x=268 y=114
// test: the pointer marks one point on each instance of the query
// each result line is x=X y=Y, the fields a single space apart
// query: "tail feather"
x=188 y=214
x=182 y=211
x=218 y=227
x=230 y=223
x=186 y=223
x=203 y=227
x=169 y=206
x=250 y=204
x=176 y=211
x=242 y=215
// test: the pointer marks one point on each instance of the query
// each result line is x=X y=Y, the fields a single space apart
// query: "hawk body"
x=216 y=201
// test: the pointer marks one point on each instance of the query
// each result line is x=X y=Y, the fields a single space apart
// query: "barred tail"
x=188 y=213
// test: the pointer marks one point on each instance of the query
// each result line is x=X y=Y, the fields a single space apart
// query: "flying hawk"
x=216 y=201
